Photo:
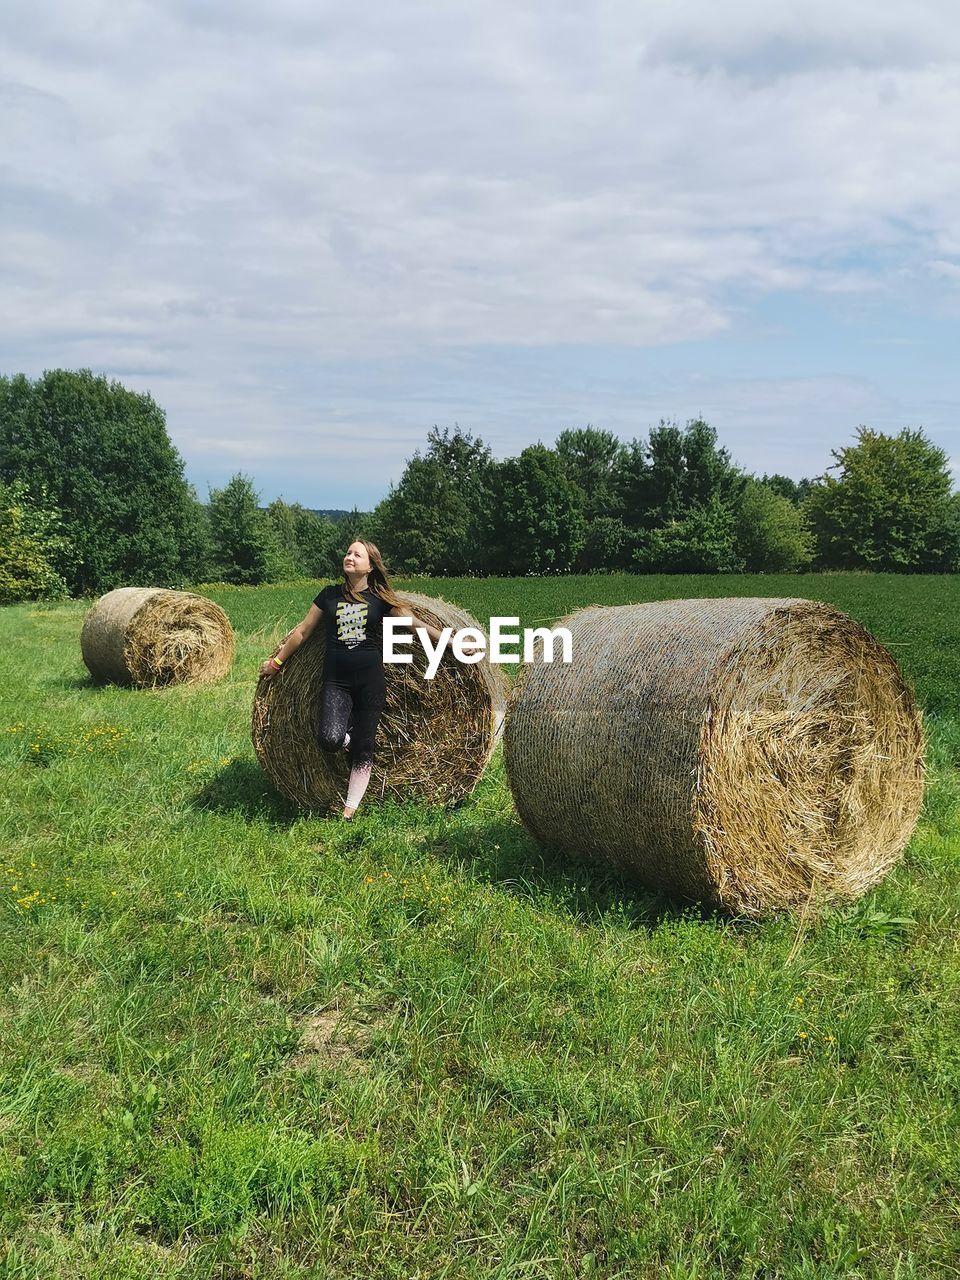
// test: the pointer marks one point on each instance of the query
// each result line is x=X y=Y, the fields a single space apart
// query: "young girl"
x=353 y=678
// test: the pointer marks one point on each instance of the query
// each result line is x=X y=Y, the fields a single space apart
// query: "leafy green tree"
x=434 y=519
x=593 y=461
x=419 y=518
x=654 y=477
x=195 y=543
x=680 y=490
x=308 y=544
x=632 y=482
x=607 y=546
x=536 y=517
x=245 y=548
x=283 y=523
x=103 y=456
x=34 y=554
x=771 y=532
x=676 y=471
x=703 y=541
x=709 y=471
x=793 y=490
x=349 y=525
x=317 y=541
x=891 y=507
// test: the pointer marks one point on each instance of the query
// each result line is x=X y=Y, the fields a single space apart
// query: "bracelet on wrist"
x=277 y=662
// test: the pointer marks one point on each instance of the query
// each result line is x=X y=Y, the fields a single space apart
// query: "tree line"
x=672 y=501
x=93 y=495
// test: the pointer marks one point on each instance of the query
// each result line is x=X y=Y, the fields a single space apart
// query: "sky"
x=312 y=232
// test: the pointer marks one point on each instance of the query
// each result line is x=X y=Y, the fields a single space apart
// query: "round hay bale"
x=755 y=754
x=147 y=636
x=433 y=741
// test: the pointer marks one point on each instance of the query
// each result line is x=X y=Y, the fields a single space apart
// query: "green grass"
x=239 y=1041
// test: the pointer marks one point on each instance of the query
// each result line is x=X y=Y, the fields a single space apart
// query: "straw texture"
x=433 y=741
x=756 y=754
x=148 y=636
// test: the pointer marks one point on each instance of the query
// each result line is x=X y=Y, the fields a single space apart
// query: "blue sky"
x=312 y=234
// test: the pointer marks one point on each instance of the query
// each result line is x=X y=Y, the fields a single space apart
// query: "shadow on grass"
x=87 y=682
x=241 y=788
x=491 y=846
x=506 y=857
x=77 y=682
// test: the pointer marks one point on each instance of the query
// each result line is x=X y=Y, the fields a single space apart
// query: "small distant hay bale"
x=434 y=739
x=148 y=637
x=758 y=755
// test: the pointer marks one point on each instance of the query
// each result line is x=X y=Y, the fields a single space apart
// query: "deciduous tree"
x=771 y=532
x=34 y=553
x=675 y=471
x=245 y=548
x=890 y=507
x=103 y=456
x=537 y=523
x=434 y=519
x=704 y=541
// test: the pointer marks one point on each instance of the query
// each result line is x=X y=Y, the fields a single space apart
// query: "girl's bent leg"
x=335 y=705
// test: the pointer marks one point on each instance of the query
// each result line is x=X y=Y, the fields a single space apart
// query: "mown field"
x=240 y=1041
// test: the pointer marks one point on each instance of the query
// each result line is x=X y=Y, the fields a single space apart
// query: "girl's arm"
x=291 y=642
x=415 y=622
x=432 y=632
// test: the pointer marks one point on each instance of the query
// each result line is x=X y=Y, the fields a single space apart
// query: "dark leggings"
x=363 y=693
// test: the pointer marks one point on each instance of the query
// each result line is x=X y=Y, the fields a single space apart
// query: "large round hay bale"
x=147 y=636
x=756 y=754
x=433 y=741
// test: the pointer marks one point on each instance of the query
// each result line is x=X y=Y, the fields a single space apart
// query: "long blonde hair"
x=378 y=579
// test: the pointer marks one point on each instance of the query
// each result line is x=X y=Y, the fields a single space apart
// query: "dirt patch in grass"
x=338 y=1036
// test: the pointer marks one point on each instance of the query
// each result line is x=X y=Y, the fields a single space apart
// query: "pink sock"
x=359 y=777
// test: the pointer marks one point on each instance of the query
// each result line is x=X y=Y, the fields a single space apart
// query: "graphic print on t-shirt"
x=351 y=623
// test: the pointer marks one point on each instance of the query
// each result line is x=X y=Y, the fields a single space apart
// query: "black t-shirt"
x=353 y=631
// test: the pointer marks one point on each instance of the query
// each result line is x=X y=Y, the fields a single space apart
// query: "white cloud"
x=948 y=270
x=234 y=199
x=769 y=40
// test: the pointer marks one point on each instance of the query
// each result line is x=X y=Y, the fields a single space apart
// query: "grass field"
x=237 y=1041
